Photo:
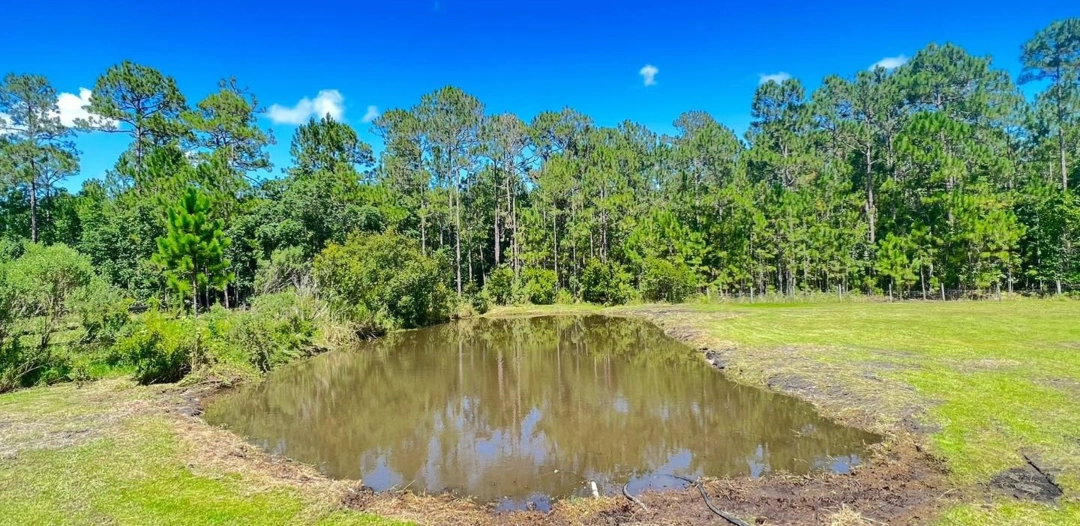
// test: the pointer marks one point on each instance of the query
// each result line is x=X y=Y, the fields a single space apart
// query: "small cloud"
x=779 y=78
x=327 y=102
x=6 y=126
x=649 y=74
x=371 y=114
x=889 y=62
x=72 y=107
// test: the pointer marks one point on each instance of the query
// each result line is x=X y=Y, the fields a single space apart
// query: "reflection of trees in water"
x=493 y=408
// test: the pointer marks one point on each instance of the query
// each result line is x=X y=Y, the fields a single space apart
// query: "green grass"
x=134 y=467
x=989 y=380
x=995 y=380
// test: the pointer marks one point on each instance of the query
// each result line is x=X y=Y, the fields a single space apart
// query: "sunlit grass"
x=130 y=468
x=995 y=379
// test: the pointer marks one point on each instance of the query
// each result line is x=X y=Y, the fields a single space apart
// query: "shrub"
x=383 y=282
x=277 y=329
x=47 y=277
x=564 y=297
x=499 y=287
x=287 y=268
x=162 y=349
x=605 y=283
x=474 y=303
x=37 y=286
x=539 y=286
x=663 y=280
x=102 y=310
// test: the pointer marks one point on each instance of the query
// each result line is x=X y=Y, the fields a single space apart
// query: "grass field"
x=989 y=382
x=982 y=383
x=111 y=453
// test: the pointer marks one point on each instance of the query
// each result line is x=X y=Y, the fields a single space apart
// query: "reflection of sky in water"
x=530 y=416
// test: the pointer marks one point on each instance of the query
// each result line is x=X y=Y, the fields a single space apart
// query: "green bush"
x=383 y=282
x=277 y=329
x=162 y=349
x=474 y=303
x=499 y=287
x=47 y=277
x=539 y=286
x=663 y=280
x=36 y=292
x=287 y=268
x=564 y=297
x=605 y=283
x=102 y=310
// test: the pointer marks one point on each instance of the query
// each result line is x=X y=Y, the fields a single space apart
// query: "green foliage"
x=161 y=348
x=564 y=297
x=383 y=282
x=894 y=261
x=668 y=281
x=287 y=268
x=605 y=283
x=937 y=174
x=102 y=310
x=192 y=251
x=46 y=278
x=501 y=287
x=539 y=285
x=278 y=328
x=146 y=101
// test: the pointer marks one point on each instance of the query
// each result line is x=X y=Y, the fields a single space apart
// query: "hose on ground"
x=633 y=499
x=701 y=488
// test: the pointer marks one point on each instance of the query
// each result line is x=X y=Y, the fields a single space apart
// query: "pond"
x=523 y=411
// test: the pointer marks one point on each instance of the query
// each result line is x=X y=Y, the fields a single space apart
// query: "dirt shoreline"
x=898 y=484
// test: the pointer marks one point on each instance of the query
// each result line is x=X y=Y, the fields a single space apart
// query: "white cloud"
x=5 y=124
x=889 y=62
x=778 y=78
x=70 y=107
x=327 y=102
x=649 y=74
x=371 y=114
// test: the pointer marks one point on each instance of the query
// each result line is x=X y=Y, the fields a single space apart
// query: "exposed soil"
x=1026 y=483
x=902 y=487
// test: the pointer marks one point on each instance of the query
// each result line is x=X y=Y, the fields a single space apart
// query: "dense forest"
x=944 y=174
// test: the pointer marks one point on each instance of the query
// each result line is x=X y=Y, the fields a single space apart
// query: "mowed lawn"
x=105 y=454
x=992 y=381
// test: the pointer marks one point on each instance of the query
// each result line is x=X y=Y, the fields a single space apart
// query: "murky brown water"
x=525 y=410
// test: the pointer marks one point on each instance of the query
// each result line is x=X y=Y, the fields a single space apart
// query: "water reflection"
x=523 y=410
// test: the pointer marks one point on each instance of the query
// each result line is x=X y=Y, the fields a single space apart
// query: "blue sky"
x=522 y=57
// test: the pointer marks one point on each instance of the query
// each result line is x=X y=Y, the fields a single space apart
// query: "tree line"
x=938 y=174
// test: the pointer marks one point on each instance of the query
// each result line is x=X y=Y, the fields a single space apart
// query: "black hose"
x=632 y=498
x=701 y=488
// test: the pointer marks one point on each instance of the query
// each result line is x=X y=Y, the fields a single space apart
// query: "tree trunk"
x=1061 y=132
x=555 y=238
x=498 y=243
x=1064 y=168
x=423 y=224
x=871 y=211
x=457 y=233
x=194 y=296
x=33 y=205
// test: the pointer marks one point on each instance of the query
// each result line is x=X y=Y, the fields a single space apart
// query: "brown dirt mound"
x=901 y=487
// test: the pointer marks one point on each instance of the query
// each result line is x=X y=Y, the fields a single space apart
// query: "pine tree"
x=192 y=251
